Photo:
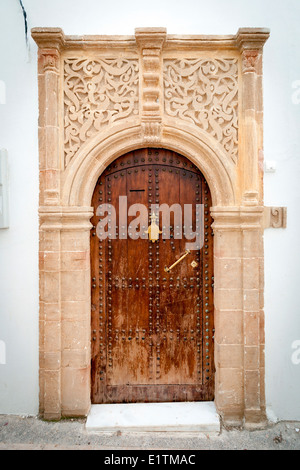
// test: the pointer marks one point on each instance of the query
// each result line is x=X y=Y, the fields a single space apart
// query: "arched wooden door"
x=152 y=330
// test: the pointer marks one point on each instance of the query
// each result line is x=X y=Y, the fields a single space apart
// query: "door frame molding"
x=69 y=172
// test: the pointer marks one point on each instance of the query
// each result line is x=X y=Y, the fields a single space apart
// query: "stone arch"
x=200 y=148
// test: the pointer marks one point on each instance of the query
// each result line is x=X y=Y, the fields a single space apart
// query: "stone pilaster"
x=65 y=311
x=49 y=90
x=250 y=43
x=239 y=319
x=150 y=42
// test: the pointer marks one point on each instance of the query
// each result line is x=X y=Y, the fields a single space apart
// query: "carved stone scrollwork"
x=275 y=217
x=97 y=93
x=205 y=93
x=278 y=217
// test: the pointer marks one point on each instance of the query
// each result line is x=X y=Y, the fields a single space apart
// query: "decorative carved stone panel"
x=204 y=92
x=97 y=93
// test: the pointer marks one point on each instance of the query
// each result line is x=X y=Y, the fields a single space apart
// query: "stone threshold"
x=154 y=417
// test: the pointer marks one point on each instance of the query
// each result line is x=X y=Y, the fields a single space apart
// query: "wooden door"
x=152 y=330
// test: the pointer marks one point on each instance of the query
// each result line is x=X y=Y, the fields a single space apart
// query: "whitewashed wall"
x=18 y=133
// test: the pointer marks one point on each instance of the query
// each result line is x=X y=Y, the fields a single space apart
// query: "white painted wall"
x=18 y=133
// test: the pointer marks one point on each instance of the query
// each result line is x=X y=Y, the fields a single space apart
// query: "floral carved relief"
x=205 y=93
x=97 y=93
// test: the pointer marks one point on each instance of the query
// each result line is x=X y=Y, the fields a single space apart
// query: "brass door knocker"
x=153 y=229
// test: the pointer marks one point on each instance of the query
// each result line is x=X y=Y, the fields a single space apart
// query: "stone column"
x=49 y=91
x=65 y=311
x=76 y=311
x=239 y=319
x=250 y=43
x=50 y=319
x=229 y=361
x=253 y=314
x=50 y=314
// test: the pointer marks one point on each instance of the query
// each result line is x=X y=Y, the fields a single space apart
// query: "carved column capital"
x=250 y=60
x=48 y=60
x=250 y=42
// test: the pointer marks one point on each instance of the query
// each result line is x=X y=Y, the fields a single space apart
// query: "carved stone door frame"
x=103 y=96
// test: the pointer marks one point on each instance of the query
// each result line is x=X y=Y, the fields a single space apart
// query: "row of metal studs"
x=206 y=332
x=152 y=160
x=101 y=300
x=150 y=277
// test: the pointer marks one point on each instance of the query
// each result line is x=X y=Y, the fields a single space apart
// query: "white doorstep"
x=159 y=417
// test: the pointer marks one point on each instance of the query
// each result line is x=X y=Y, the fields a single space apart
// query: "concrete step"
x=159 y=417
